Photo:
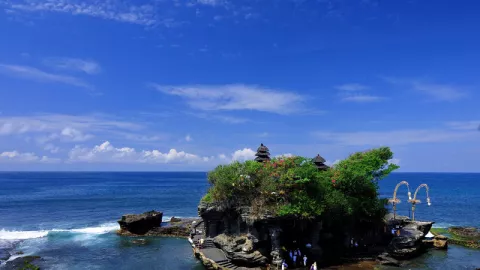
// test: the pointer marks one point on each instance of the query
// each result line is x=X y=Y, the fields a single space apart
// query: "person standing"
x=294 y=258
x=305 y=260
x=284 y=265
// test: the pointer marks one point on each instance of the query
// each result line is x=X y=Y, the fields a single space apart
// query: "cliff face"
x=252 y=242
x=256 y=241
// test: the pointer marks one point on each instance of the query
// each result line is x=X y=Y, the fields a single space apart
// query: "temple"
x=262 y=154
x=320 y=163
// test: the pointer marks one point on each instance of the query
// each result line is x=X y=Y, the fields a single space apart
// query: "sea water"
x=69 y=219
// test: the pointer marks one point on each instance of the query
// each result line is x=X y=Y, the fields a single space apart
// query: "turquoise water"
x=69 y=218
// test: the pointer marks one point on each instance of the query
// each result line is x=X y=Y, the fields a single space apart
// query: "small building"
x=262 y=154
x=320 y=163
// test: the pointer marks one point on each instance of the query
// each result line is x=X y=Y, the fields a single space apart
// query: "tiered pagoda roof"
x=262 y=154
x=320 y=162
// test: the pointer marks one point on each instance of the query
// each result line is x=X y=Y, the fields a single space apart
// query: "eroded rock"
x=440 y=242
x=240 y=250
x=140 y=224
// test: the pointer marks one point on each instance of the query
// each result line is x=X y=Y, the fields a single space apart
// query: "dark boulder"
x=140 y=224
x=409 y=243
x=174 y=219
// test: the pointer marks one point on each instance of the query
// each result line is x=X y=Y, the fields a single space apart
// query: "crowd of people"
x=298 y=260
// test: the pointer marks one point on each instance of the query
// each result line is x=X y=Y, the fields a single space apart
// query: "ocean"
x=69 y=218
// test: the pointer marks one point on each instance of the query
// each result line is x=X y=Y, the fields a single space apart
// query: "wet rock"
x=24 y=263
x=440 y=242
x=140 y=224
x=469 y=232
x=174 y=219
x=409 y=243
x=385 y=259
x=4 y=254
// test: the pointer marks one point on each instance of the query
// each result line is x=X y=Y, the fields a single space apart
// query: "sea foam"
x=24 y=235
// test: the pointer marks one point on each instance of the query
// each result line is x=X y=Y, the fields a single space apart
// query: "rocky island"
x=298 y=211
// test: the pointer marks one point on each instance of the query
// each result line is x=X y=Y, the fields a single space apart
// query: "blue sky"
x=187 y=85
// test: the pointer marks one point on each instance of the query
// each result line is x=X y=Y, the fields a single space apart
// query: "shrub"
x=293 y=186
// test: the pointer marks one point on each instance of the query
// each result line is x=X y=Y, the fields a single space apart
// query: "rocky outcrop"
x=240 y=250
x=385 y=259
x=440 y=242
x=140 y=224
x=150 y=224
x=467 y=232
x=27 y=262
x=409 y=242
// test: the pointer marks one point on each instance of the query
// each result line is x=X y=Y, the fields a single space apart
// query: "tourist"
x=314 y=266
x=294 y=257
x=291 y=255
x=201 y=242
x=305 y=260
x=299 y=253
x=284 y=265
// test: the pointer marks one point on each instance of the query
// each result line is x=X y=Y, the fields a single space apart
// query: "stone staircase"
x=208 y=243
x=227 y=264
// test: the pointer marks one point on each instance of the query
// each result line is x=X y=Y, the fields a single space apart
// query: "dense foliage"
x=293 y=186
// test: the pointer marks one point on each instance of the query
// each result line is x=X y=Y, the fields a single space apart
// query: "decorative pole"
x=414 y=201
x=394 y=201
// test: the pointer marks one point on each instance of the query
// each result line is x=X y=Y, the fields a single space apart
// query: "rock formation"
x=140 y=224
x=150 y=224
x=408 y=242
x=240 y=250
x=440 y=242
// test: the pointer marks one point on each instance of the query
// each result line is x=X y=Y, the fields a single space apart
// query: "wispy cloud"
x=110 y=10
x=236 y=97
x=352 y=87
x=394 y=137
x=31 y=73
x=465 y=125
x=355 y=92
x=73 y=64
x=16 y=156
x=438 y=92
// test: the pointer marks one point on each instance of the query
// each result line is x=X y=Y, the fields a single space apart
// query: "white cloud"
x=15 y=156
x=51 y=148
x=74 y=64
x=362 y=98
x=394 y=137
x=330 y=163
x=236 y=97
x=354 y=92
x=69 y=125
x=286 y=155
x=188 y=138
x=110 y=10
x=438 y=92
x=210 y=2
x=107 y=153
x=243 y=154
x=74 y=135
x=395 y=161
x=352 y=87
x=465 y=125
x=31 y=73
